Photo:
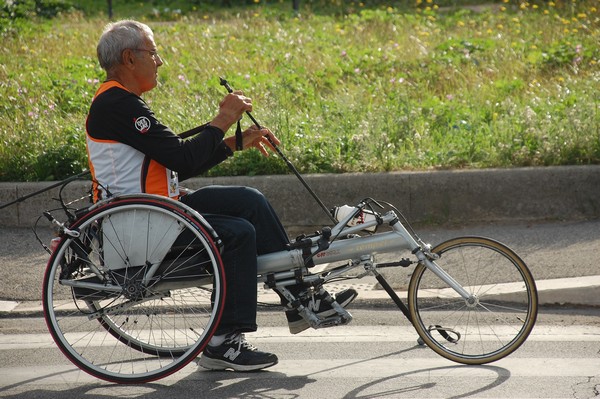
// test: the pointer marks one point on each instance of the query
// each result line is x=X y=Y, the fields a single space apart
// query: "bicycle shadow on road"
x=412 y=381
x=199 y=383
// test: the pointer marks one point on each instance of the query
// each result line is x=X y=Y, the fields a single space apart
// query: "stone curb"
x=440 y=197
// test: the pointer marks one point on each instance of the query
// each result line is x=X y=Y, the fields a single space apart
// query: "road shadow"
x=271 y=384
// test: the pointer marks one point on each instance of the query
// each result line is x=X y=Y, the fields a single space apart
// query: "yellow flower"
x=460 y=23
x=581 y=15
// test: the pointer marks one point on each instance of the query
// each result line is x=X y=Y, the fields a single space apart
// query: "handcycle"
x=135 y=285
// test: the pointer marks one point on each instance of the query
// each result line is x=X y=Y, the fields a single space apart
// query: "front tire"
x=497 y=318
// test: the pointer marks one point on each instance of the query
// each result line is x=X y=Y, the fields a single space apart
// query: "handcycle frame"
x=280 y=269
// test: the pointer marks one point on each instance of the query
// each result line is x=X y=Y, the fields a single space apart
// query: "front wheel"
x=497 y=317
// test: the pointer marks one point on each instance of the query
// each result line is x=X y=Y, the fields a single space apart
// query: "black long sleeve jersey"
x=130 y=151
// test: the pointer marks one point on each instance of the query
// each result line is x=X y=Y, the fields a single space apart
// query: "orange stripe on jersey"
x=108 y=85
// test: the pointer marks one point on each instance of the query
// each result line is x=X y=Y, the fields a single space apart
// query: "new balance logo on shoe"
x=231 y=354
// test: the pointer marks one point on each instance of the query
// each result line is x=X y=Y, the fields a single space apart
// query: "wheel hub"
x=472 y=301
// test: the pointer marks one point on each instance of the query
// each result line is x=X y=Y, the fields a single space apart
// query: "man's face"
x=147 y=65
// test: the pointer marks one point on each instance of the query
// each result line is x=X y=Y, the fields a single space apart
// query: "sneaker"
x=320 y=306
x=237 y=354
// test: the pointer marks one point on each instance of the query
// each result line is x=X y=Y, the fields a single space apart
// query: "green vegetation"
x=347 y=86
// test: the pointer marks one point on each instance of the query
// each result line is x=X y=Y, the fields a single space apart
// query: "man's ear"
x=128 y=58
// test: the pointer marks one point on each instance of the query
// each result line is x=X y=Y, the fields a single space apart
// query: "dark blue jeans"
x=248 y=225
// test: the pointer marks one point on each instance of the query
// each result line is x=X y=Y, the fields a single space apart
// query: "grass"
x=347 y=86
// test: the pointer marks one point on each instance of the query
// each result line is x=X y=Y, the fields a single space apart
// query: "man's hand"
x=231 y=110
x=254 y=137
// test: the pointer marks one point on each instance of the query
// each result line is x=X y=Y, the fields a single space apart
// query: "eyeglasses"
x=153 y=53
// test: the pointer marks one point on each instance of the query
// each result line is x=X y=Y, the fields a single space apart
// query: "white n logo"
x=231 y=354
x=314 y=305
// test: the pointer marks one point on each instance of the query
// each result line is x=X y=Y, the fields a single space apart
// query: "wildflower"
x=183 y=79
x=343 y=53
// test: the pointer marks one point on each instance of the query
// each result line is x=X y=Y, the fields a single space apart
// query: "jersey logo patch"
x=142 y=124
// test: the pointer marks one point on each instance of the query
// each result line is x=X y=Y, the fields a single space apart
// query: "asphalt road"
x=376 y=356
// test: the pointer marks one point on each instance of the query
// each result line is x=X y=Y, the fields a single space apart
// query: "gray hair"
x=117 y=37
